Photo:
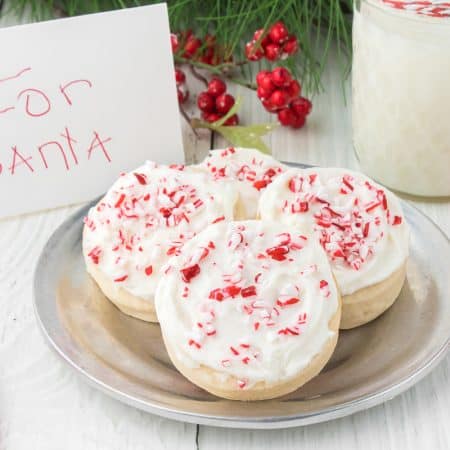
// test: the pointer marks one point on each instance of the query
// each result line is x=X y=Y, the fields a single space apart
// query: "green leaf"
x=249 y=136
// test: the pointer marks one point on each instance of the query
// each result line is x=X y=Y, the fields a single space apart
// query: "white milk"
x=401 y=98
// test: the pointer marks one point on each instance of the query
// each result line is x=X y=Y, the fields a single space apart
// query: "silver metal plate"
x=125 y=357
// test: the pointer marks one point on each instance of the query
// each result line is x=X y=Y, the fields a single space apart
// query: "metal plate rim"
x=255 y=422
x=249 y=423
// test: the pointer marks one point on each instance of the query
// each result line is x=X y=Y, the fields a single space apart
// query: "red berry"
x=281 y=76
x=232 y=121
x=253 y=52
x=279 y=98
x=180 y=77
x=293 y=89
x=183 y=95
x=258 y=33
x=263 y=93
x=174 y=42
x=208 y=56
x=278 y=33
x=272 y=52
x=268 y=105
x=298 y=121
x=286 y=117
x=266 y=83
x=211 y=117
x=224 y=103
x=301 y=106
x=257 y=36
x=205 y=102
x=186 y=34
x=261 y=74
x=191 y=46
x=216 y=87
x=291 y=45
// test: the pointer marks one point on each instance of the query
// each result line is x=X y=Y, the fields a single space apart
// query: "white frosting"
x=254 y=307
x=359 y=223
x=146 y=216
x=249 y=168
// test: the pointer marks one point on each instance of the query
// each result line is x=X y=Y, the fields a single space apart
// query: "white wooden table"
x=44 y=406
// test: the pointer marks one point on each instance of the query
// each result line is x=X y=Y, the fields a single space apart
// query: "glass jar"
x=401 y=94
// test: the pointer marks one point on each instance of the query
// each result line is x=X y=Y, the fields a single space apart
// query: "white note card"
x=81 y=100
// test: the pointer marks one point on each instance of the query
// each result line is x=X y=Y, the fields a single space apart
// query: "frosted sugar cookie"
x=143 y=219
x=252 y=171
x=249 y=310
x=358 y=223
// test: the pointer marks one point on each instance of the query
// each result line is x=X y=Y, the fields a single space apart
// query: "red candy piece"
x=120 y=279
x=278 y=253
x=260 y=184
x=232 y=290
x=190 y=272
x=397 y=220
x=142 y=179
x=216 y=294
x=249 y=291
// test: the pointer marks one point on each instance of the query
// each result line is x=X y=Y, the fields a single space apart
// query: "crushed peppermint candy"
x=146 y=217
x=241 y=306
x=250 y=169
x=347 y=214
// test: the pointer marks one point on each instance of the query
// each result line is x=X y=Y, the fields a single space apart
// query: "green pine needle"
x=318 y=25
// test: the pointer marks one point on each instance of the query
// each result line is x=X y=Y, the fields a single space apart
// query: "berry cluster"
x=214 y=103
x=280 y=93
x=275 y=44
x=182 y=91
x=187 y=45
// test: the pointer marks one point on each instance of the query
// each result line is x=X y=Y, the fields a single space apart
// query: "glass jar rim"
x=403 y=13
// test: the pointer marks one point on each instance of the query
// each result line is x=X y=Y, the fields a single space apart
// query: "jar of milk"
x=401 y=93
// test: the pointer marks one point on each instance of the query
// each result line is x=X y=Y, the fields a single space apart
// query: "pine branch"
x=318 y=25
